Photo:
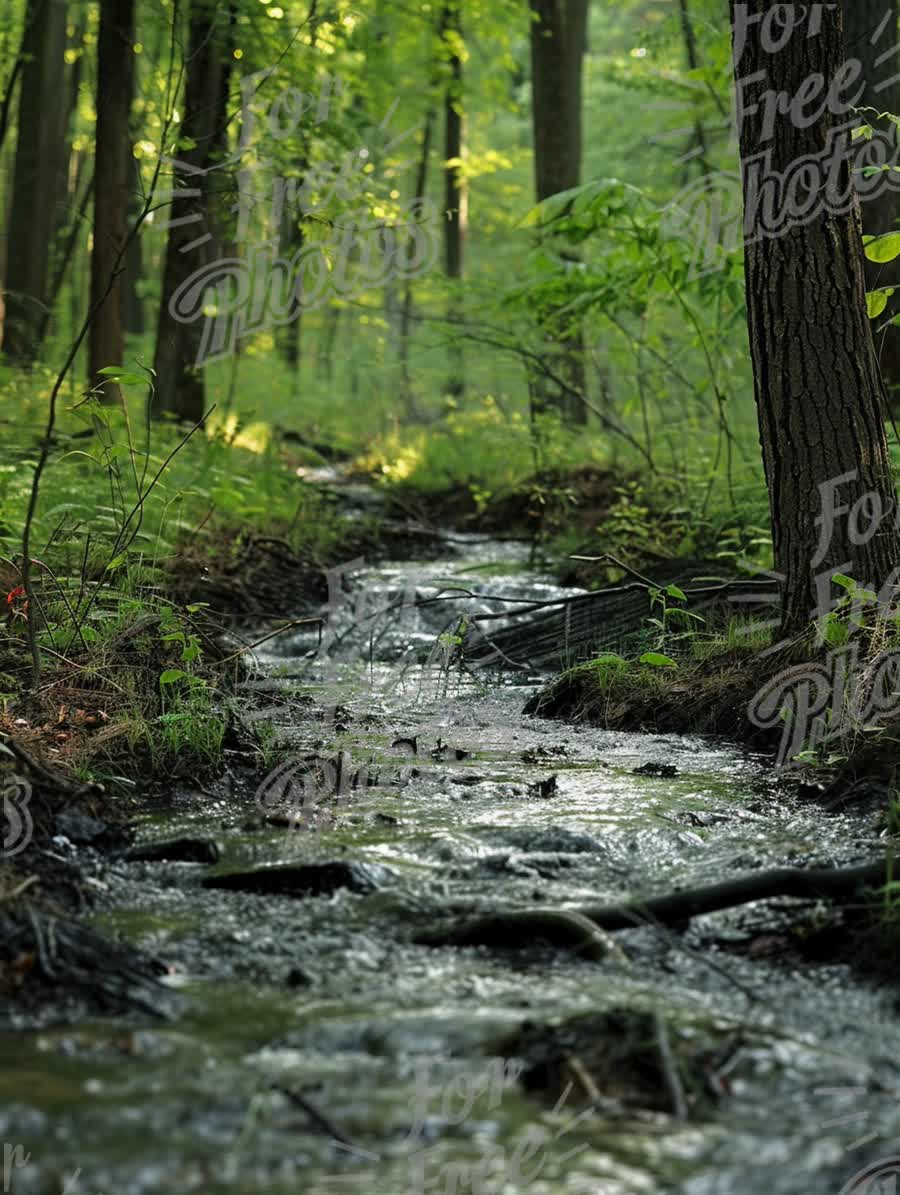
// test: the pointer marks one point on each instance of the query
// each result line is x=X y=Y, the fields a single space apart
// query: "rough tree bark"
x=819 y=393
x=38 y=150
x=115 y=86
x=870 y=35
x=558 y=38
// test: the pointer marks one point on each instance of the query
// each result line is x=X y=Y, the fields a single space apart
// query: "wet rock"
x=689 y=838
x=410 y=744
x=554 y=840
x=541 y=753
x=810 y=792
x=840 y=795
x=468 y=778
x=544 y=789
x=80 y=828
x=67 y=961
x=614 y=1057
x=652 y=768
x=303 y=879
x=298 y=978
x=703 y=817
x=174 y=850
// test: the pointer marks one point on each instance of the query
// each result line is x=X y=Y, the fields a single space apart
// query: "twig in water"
x=19 y=889
x=319 y=1119
x=296 y=622
x=670 y=1067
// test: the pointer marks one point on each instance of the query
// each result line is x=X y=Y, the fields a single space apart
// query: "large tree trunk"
x=558 y=38
x=455 y=195
x=819 y=393
x=870 y=34
x=179 y=379
x=38 y=151
x=115 y=74
x=557 y=48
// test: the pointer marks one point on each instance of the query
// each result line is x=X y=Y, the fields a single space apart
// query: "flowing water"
x=319 y=1049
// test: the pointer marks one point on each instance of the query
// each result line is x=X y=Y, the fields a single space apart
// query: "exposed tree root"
x=582 y=929
x=833 y=883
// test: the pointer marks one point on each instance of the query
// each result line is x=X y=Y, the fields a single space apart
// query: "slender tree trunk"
x=406 y=310
x=870 y=35
x=325 y=358
x=68 y=189
x=290 y=242
x=115 y=68
x=558 y=39
x=819 y=393
x=455 y=196
x=14 y=74
x=33 y=211
x=66 y=249
x=699 y=147
x=180 y=387
x=132 y=303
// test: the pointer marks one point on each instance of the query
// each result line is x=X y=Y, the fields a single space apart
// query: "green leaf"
x=610 y=659
x=845 y=582
x=884 y=248
x=675 y=592
x=116 y=562
x=118 y=373
x=876 y=300
x=657 y=660
x=675 y=615
x=171 y=675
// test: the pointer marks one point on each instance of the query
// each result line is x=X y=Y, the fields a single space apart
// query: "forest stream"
x=313 y=1045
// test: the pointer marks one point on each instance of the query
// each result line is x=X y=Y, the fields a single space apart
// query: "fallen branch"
x=832 y=883
x=567 y=927
x=517 y=928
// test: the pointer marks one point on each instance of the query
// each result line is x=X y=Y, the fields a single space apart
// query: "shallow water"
x=320 y=1050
